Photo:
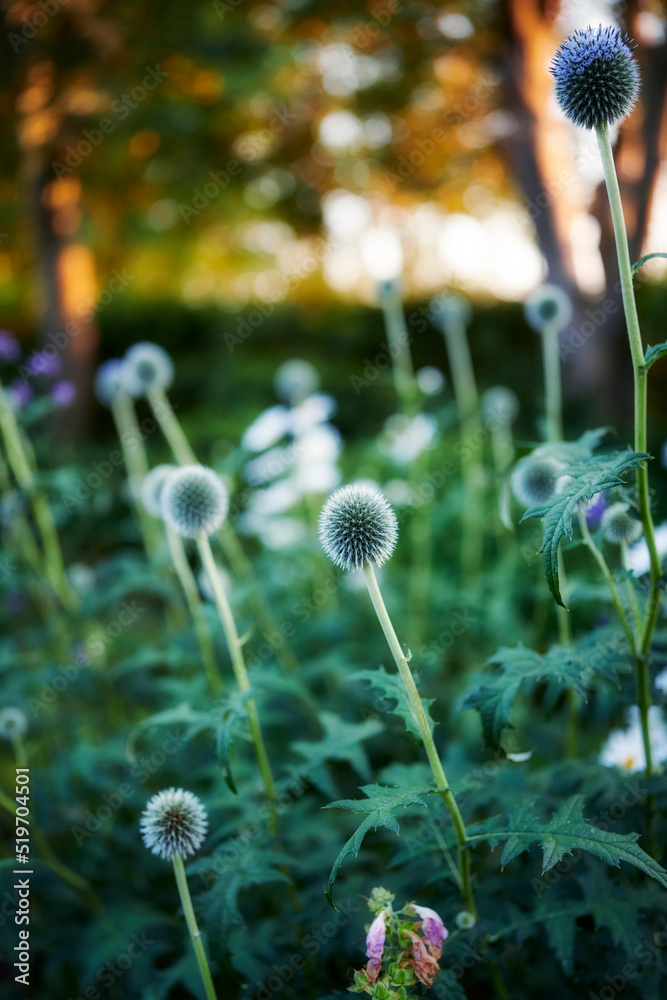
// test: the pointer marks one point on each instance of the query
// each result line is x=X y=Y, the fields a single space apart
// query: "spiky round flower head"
x=109 y=381
x=499 y=405
x=358 y=527
x=147 y=366
x=194 y=501
x=152 y=486
x=618 y=524
x=465 y=920
x=548 y=306
x=13 y=723
x=173 y=822
x=597 y=77
x=536 y=479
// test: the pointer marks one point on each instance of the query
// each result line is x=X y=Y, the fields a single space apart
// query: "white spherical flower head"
x=450 y=310
x=147 y=366
x=295 y=380
x=499 y=405
x=618 y=524
x=548 y=306
x=536 y=480
x=152 y=487
x=194 y=501
x=174 y=822
x=358 y=527
x=109 y=381
x=13 y=723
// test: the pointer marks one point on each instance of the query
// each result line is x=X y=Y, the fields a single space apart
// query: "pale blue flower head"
x=358 y=527
x=597 y=77
x=174 y=822
x=147 y=366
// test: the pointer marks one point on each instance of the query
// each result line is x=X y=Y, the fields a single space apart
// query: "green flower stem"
x=640 y=388
x=136 y=464
x=398 y=341
x=419 y=716
x=606 y=572
x=232 y=548
x=472 y=471
x=553 y=390
x=21 y=461
x=193 y=927
x=164 y=414
x=191 y=591
x=235 y=647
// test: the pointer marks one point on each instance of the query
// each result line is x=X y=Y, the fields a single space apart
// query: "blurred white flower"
x=295 y=380
x=638 y=561
x=275 y=499
x=318 y=444
x=661 y=681
x=624 y=747
x=269 y=427
x=404 y=439
x=316 y=409
x=270 y=465
x=430 y=380
x=317 y=477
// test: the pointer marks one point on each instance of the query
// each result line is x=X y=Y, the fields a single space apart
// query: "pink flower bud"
x=433 y=928
x=375 y=941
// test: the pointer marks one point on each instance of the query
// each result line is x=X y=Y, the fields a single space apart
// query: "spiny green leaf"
x=380 y=804
x=341 y=741
x=642 y=260
x=233 y=709
x=565 y=832
x=654 y=352
x=182 y=715
x=561 y=666
x=585 y=479
x=392 y=688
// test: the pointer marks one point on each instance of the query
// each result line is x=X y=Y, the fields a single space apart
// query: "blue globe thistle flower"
x=358 y=527
x=174 y=822
x=194 y=501
x=147 y=366
x=548 y=306
x=597 y=77
x=13 y=723
x=618 y=524
x=536 y=479
x=152 y=487
x=109 y=381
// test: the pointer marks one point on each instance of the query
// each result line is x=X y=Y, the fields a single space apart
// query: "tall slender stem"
x=236 y=557
x=606 y=572
x=472 y=471
x=191 y=591
x=238 y=665
x=399 y=348
x=419 y=716
x=136 y=464
x=21 y=461
x=640 y=375
x=193 y=927
x=553 y=390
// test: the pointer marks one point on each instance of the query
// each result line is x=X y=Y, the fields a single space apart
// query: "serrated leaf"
x=586 y=478
x=567 y=830
x=642 y=260
x=447 y=987
x=392 y=688
x=341 y=741
x=184 y=715
x=561 y=666
x=251 y=867
x=380 y=804
x=654 y=352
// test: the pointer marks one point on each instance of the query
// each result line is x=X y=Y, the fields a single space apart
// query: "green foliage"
x=379 y=807
x=585 y=478
x=392 y=689
x=565 y=832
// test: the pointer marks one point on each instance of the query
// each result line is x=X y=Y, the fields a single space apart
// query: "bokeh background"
x=236 y=156
x=232 y=179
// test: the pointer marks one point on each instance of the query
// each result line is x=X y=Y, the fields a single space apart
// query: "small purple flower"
x=375 y=942
x=63 y=393
x=10 y=349
x=43 y=363
x=595 y=508
x=433 y=928
x=20 y=394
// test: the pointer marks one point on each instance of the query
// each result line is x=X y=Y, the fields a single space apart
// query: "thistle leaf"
x=392 y=688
